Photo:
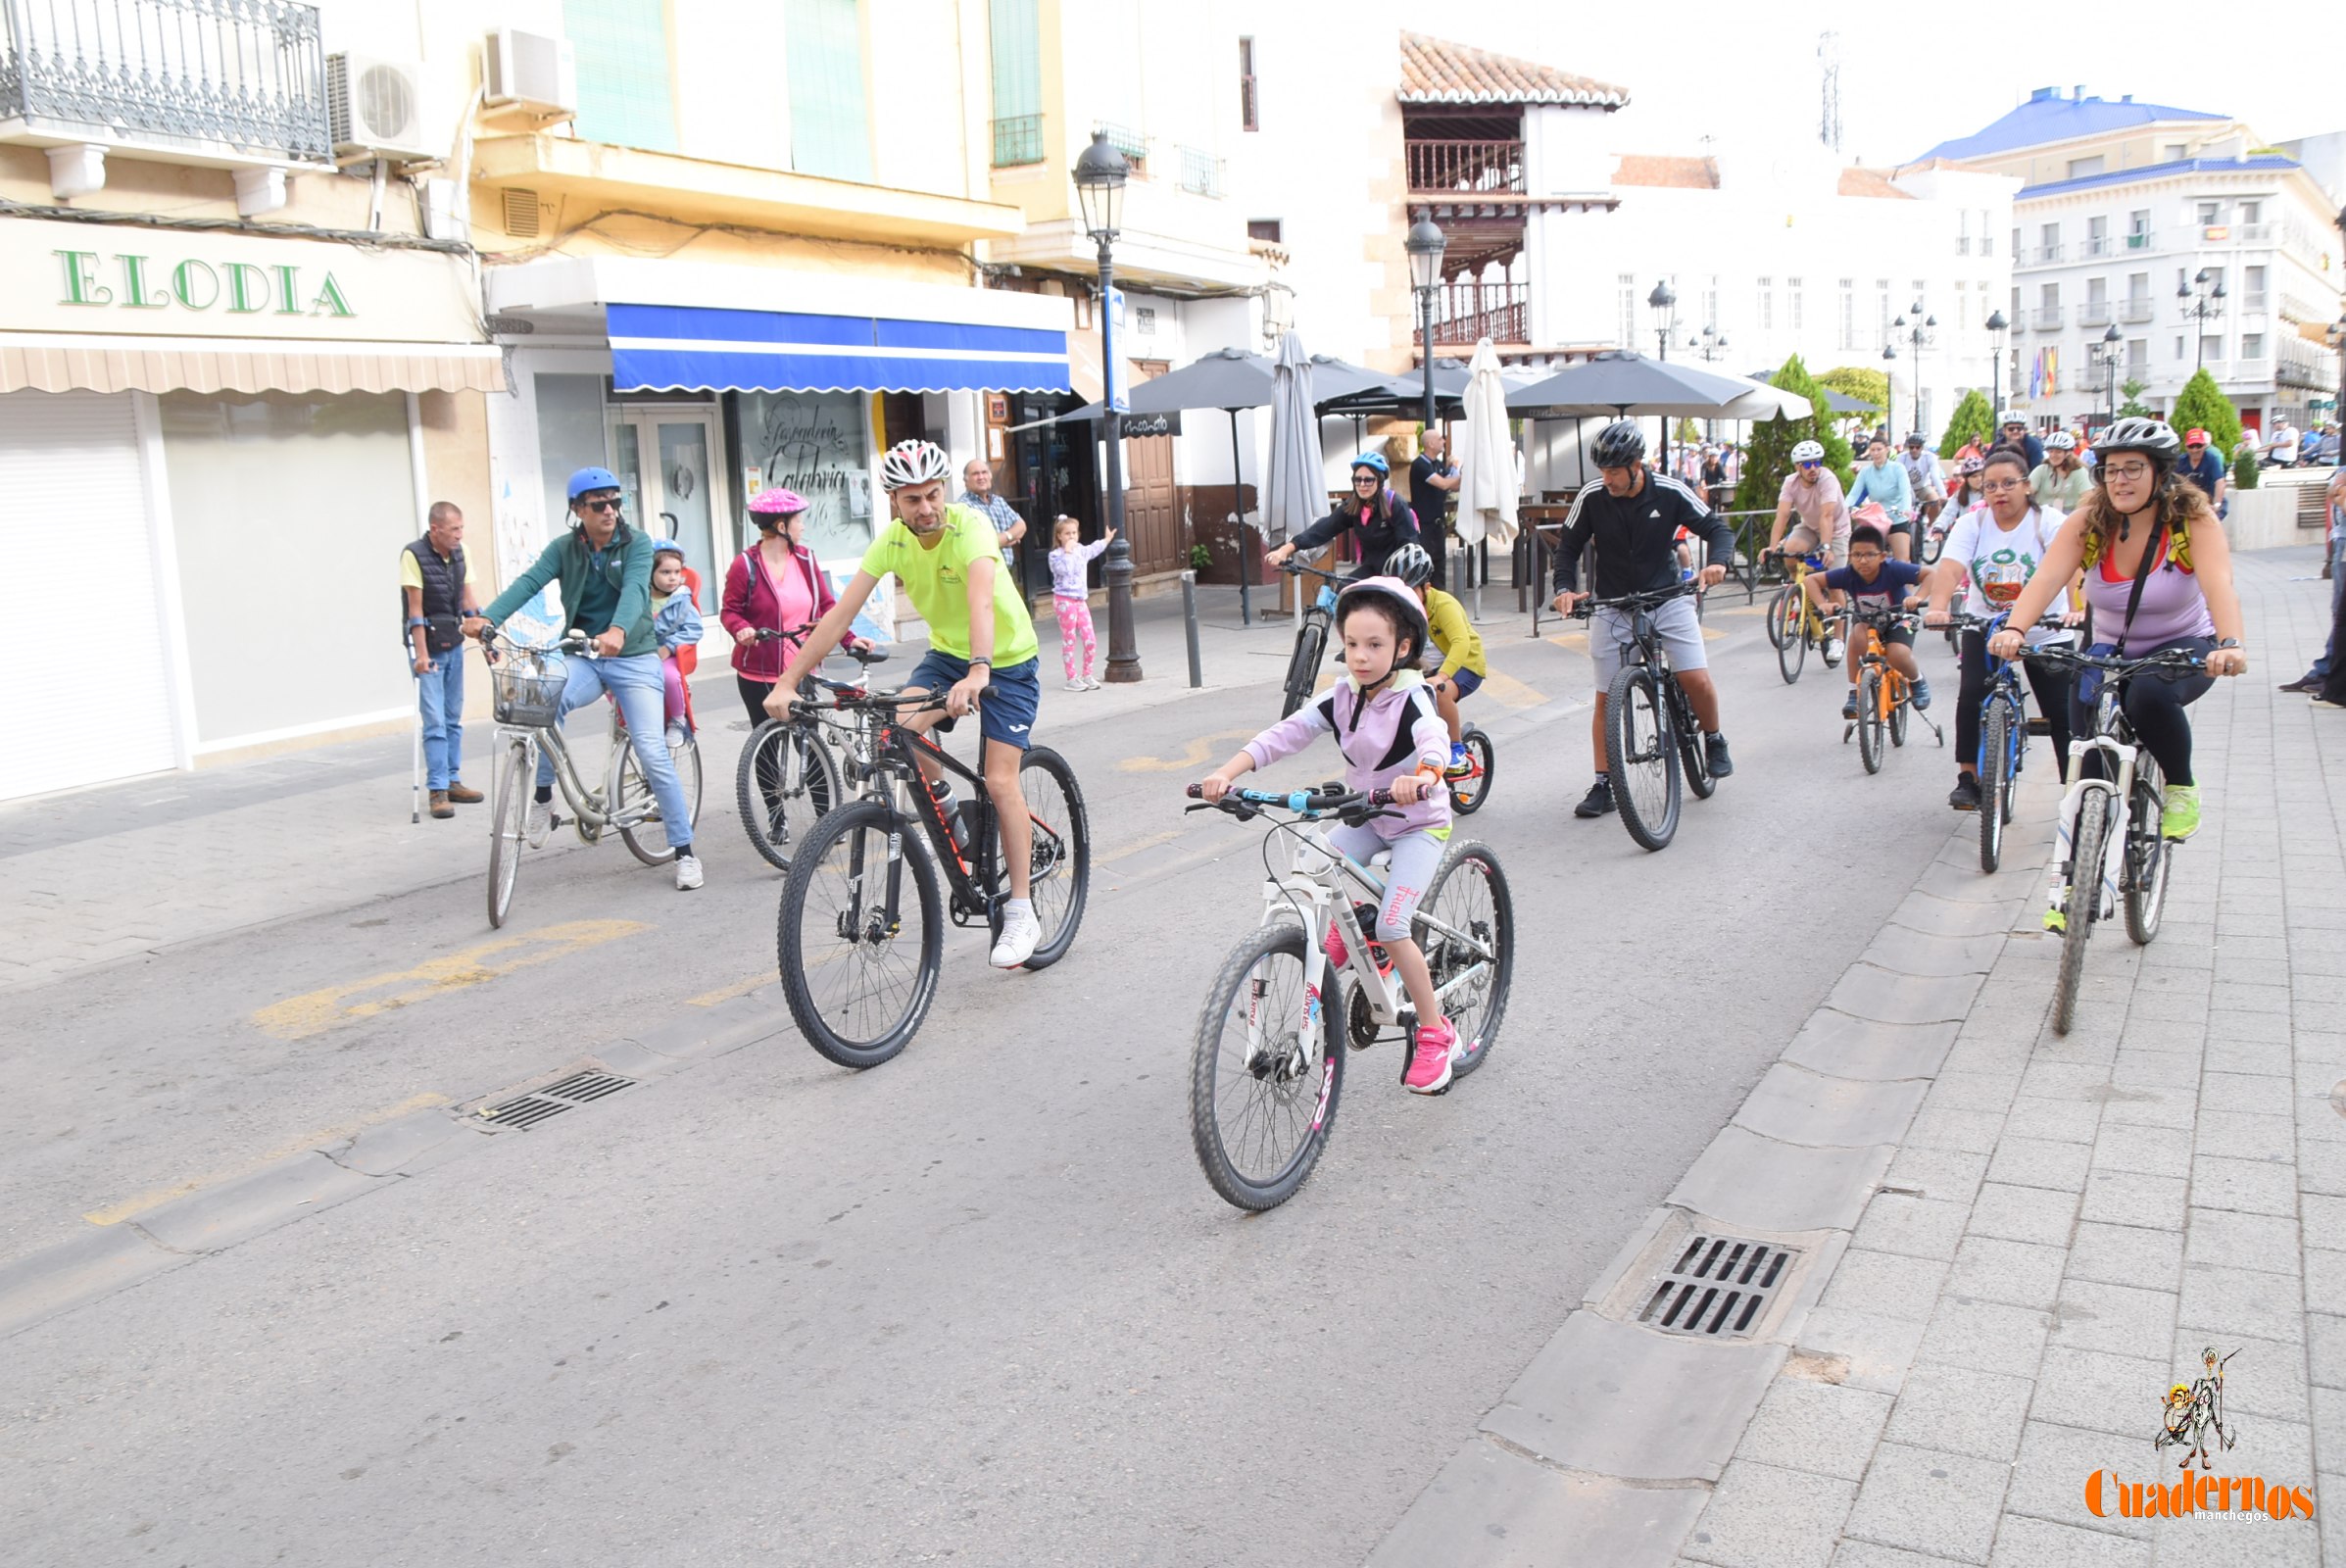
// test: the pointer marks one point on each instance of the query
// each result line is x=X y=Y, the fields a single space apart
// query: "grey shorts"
x=1681 y=637
x=1801 y=539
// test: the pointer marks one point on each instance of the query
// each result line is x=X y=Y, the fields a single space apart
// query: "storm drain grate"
x=579 y=1089
x=1717 y=1287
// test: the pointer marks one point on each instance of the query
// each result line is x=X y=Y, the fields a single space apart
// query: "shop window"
x=819 y=444
x=829 y=131
x=624 y=97
x=1263 y=228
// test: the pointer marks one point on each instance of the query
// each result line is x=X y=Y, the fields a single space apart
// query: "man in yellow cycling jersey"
x=1463 y=665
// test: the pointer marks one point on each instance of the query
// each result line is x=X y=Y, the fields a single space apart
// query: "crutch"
x=414 y=751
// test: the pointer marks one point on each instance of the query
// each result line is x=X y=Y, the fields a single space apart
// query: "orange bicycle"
x=1885 y=696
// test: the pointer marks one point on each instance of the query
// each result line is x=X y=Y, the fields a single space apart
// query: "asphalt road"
x=976 y=1305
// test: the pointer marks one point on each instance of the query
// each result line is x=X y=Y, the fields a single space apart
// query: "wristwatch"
x=2229 y=642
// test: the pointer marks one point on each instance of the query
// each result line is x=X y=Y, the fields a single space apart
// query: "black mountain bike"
x=788 y=774
x=859 y=937
x=1650 y=729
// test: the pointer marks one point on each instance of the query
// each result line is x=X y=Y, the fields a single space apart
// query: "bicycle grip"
x=1195 y=792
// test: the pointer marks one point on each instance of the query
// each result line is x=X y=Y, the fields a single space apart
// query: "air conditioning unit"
x=375 y=107
x=532 y=69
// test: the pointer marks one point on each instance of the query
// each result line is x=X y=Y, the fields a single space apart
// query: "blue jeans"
x=2337 y=591
x=440 y=699
x=642 y=700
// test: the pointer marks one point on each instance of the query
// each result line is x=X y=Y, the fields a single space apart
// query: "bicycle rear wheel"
x=1266 y=1070
x=1869 y=719
x=1303 y=666
x=1472 y=948
x=860 y=975
x=2084 y=901
x=2148 y=856
x=785 y=780
x=1061 y=879
x=1995 y=782
x=1694 y=758
x=514 y=781
x=1833 y=642
x=1639 y=756
x=1471 y=789
x=629 y=792
x=1792 y=652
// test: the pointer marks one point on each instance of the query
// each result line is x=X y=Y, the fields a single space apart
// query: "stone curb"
x=100 y=1262
x=1607 y=1447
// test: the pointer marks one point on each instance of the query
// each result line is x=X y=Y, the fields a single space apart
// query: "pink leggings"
x=1075 y=628
x=673 y=681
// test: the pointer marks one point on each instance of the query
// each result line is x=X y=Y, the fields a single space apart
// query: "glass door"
x=667 y=462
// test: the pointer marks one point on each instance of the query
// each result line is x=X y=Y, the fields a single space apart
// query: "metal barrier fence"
x=1533 y=565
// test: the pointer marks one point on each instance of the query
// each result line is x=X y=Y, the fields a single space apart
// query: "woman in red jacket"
x=774 y=585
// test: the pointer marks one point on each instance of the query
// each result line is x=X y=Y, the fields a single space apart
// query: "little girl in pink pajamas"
x=1071 y=601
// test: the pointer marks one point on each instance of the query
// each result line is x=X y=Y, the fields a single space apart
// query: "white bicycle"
x=1271 y=1042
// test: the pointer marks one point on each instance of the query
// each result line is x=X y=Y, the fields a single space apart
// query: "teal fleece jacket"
x=598 y=592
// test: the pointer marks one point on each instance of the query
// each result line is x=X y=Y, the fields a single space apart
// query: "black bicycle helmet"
x=2153 y=438
x=1618 y=445
x=1413 y=563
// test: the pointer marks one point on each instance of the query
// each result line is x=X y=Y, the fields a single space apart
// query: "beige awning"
x=42 y=362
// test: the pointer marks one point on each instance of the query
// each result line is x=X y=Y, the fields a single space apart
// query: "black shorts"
x=1903 y=636
x=1902 y=527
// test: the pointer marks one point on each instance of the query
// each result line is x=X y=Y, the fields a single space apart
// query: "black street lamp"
x=1918 y=335
x=1425 y=244
x=2109 y=341
x=2200 y=304
x=1710 y=348
x=1996 y=327
x=1099 y=175
x=1664 y=300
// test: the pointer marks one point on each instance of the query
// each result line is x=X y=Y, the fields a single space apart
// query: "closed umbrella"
x=1485 y=456
x=1295 y=493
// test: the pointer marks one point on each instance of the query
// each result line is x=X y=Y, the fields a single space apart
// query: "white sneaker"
x=540 y=825
x=1089 y=684
x=676 y=737
x=1079 y=685
x=688 y=872
x=1020 y=932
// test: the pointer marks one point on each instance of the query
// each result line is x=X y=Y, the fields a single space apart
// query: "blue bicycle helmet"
x=586 y=479
x=1376 y=460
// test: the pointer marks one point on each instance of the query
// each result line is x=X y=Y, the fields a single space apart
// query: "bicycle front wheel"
x=1995 y=782
x=1466 y=928
x=1639 y=758
x=1792 y=652
x=1266 y=1071
x=1869 y=719
x=630 y=793
x=513 y=782
x=1060 y=876
x=2148 y=855
x=1303 y=666
x=1472 y=788
x=786 y=779
x=859 y=950
x=2084 y=901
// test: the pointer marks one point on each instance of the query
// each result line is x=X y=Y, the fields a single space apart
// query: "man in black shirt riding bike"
x=1632 y=519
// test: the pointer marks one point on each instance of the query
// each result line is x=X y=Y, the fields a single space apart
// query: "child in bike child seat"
x=1071 y=599
x=1872 y=574
x=1385 y=725
x=675 y=625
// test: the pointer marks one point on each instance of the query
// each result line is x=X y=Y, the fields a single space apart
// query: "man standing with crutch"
x=437 y=593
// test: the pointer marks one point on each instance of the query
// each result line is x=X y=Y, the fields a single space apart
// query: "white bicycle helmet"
x=913 y=462
x=1808 y=452
x=1397 y=598
x=2061 y=441
x=2010 y=416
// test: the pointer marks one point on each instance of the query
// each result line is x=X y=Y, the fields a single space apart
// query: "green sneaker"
x=2180 y=817
x=2056 y=920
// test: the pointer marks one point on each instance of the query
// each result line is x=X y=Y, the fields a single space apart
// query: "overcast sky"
x=1697 y=67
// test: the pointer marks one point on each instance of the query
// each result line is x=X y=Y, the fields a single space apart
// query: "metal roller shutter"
x=87 y=695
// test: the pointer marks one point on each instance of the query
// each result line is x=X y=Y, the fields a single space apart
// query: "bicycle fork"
x=2111 y=872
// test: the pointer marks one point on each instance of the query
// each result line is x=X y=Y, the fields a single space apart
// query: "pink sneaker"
x=1430 y=1068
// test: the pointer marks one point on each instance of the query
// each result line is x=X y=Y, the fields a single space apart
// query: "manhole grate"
x=1717 y=1287
x=579 y=1089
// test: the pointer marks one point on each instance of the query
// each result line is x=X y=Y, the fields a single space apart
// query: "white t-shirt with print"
x=1999 y=561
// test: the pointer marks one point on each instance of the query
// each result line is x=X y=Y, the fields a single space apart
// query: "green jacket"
x=625 y=570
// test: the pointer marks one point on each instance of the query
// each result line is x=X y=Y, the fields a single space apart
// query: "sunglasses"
x=1364 y=478
x=1810 y=467
x=611 y=503
x=2197 y=446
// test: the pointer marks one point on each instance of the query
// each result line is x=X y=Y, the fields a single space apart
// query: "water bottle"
x=956 y=816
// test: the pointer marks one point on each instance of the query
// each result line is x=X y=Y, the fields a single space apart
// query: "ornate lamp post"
x=2111 y=337
x=1425 y=244
x=1099 y=175
x=1918 y=335
x=1664 y=300
x=1710 y=348
x=1997 y=327
x=2200 y=304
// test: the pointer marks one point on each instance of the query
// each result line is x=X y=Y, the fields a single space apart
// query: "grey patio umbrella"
x=1623 y=382
x=1296 y=493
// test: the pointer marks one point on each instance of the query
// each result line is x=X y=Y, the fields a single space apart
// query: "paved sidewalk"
x=2070 y=1220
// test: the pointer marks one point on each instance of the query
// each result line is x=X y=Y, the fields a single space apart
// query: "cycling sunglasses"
x=600 y=503
x=1812 y=466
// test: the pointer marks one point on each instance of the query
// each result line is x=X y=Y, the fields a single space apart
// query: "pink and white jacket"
x=1394 y=733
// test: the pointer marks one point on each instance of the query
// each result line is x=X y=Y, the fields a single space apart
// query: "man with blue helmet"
x=1383 y=519
x=604 y=569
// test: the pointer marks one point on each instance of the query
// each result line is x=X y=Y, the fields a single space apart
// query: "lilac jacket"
x=1398 y=731
x=1067 y=568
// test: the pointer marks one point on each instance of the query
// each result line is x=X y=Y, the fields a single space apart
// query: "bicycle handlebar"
x=1325 y=800
x=573 y=641
x=1292 y=564
x=2179 y=660
x=855 y=699
x=1647 y=600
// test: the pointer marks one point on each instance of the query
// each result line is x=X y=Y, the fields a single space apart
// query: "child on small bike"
x=1872 y=574
x=1463 y=664
x=1385 y=725
x=1070 y=598
x=675 y=627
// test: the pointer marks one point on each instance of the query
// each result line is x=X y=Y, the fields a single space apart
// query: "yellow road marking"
x=299 y=1018
x=124 y=1211
x=726 y=993
x=1508 y=692
x=1577 y=641
x=1199 y=754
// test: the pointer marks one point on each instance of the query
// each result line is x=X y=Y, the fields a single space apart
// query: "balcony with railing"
x=2133 y=311
x=234 y=83
x=1963 y=245
x=1017 y=140
x=1200 y=172
x=2100 y=245
x=2253 y=233
x=2095 y=313
x=1131 y=143
x=2044 y=255
x=1449 y=165
x=1464 y=312
x=2139 y=240
x=2047 y=318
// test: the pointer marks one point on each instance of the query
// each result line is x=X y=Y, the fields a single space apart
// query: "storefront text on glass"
x=248 y=288
x=815 y=446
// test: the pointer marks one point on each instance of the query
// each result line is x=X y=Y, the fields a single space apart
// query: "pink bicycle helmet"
x=776 y=502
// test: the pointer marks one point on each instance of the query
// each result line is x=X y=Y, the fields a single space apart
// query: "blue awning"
x=676 y=348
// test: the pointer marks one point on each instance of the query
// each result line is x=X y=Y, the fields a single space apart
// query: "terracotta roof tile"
x=1668 y=173
x=1871 y=182
x=1435 y=70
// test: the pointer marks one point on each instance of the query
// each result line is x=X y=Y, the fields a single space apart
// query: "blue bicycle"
x=2003 y=736
x=1311 y=637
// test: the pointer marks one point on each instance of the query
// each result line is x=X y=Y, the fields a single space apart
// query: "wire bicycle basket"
x=528 y=691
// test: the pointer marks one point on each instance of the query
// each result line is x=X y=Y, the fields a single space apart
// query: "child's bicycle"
x=789 y=772
x=1311 y=637
x=1271 y=1041
x=2003 y=735
x=1793 y=623
x=1885 y=696
x=1470 y=780
x=528 y=691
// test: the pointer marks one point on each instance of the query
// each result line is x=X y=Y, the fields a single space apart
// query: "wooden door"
x=1149 y=510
